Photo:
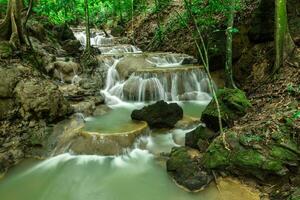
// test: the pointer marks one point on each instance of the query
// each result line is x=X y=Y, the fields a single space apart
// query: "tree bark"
x=87 y=26
x=284 y=45
x=228 y=65
x=11 y=28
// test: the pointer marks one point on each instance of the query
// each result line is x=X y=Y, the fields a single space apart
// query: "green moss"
x=248 y=139
x=181 y=157
x=248 y=158
x=283 y=154
x=273 y=165
x=233 y=104
x=216 y=156
x=295 y=195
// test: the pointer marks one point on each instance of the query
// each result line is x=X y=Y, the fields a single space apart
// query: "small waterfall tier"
x=152 y=77
x=98 y=38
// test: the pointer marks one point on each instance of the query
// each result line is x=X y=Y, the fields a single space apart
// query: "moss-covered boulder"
x=199 y=138
x=258 y=159
x=233 y=104
x=185 y=168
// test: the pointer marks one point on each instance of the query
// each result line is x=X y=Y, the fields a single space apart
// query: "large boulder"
x=41 y=99
x=184 y=166
x=250 y=155
x=130 y=64
x=233 y=104
x=159 y=115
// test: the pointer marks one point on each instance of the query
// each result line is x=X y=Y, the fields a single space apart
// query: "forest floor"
x=274 y=103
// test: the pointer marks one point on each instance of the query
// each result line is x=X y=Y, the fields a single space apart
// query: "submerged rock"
x=159 y=115
x=184 y=166
x=233 y=104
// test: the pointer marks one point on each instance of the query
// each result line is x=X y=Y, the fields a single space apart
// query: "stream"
x=138 y=173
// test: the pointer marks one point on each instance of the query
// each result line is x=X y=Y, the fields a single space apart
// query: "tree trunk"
x=228 y=65
x=87 y=26
x=284 y=45
x=11 y=28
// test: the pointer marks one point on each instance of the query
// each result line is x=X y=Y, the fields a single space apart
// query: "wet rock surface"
x=130 y=64
x=159 y=115
x=184 y=166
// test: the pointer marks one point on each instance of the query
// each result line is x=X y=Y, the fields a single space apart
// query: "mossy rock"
x=295 y=195
x=216 y=155
x=186 y=169
x=6 y=50
x=248 y=158
x=283 y=154
x=199 y=138
x=233 y=104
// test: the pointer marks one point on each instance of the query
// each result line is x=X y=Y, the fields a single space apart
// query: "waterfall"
x=170 y=79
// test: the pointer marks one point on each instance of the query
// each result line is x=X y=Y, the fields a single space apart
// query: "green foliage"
x=101 y=11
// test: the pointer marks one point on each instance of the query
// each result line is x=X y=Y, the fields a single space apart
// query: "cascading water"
x=181 y=83
x=136 y=174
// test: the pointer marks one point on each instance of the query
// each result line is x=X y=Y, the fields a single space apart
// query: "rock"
x=63 y=32
x=64 y=71
x=9 y=78
x=244 y=159
x=37 y=30
x=71 y=46
x=41 y=99
x=199 y=138
x=86 y=107
x=159 y=115
x=185 y=168
x=117 y=31
x=189 y=60
x=247 y=66
x=262 y=24
x=130 y=64
x=233 y=104
x=6 y=50
x=8 y=109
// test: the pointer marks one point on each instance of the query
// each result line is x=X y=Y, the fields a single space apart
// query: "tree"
x=229 y=31
x=87 y=26
x=284 y=45
x=11 y=28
